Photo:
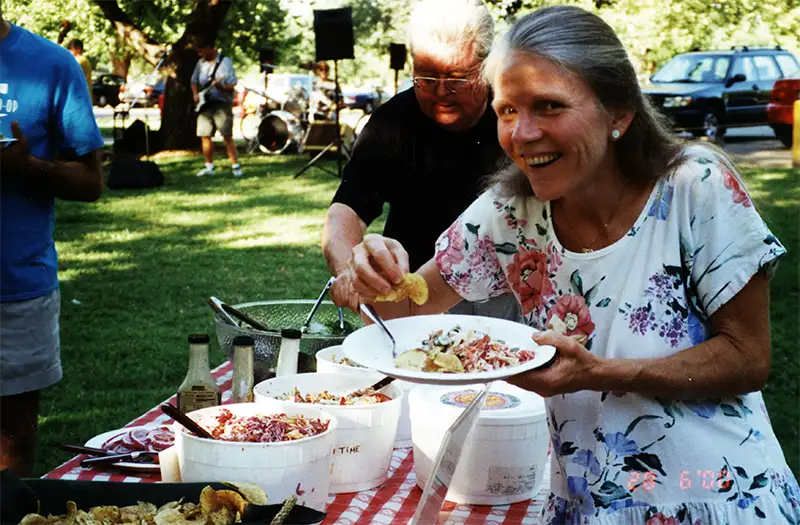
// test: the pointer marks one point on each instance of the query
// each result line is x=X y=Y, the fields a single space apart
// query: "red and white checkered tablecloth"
x=392 y=503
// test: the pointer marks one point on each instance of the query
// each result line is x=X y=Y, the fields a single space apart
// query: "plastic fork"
x=370 y=311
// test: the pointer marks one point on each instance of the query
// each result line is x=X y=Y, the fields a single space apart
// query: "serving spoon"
x=185 y=420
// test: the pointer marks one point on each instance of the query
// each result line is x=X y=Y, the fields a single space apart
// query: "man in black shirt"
x=424 y=153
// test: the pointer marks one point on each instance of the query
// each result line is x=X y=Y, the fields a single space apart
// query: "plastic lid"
x=505 y=405
x=199 y=339
x=291 y=333
x=243 y=340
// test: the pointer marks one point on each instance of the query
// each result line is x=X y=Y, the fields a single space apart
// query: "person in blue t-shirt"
x=45 y=106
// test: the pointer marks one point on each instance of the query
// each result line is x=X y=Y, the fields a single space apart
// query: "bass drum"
x=280 y=132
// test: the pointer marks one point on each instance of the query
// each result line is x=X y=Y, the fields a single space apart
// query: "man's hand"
x=377 y=265
x=15 y=158
x=342 y=293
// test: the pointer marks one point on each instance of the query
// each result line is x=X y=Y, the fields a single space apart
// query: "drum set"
x=276 y=127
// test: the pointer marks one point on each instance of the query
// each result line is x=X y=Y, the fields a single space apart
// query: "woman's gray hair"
x=584 y=45
x=452 y=24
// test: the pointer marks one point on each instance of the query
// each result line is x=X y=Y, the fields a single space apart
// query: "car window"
x=788 y=65
x=766 y=67
x=693 y=68
x=744 y=65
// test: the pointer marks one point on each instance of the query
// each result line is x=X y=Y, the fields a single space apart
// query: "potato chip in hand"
x=413 y=286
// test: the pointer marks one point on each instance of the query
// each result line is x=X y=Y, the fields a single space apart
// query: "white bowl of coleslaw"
x=299 y=465
x=331 y=360
x=364 y=435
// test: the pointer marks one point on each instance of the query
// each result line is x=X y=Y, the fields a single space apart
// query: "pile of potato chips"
x=413 y=287
x=216 y=507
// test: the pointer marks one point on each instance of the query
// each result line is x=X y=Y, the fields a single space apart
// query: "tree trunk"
x=178 y=118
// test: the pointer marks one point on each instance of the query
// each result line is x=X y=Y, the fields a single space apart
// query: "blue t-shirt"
x=41 y=86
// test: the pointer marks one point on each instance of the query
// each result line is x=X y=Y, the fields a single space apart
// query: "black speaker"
x=397 y=56
x=267 y=60
x=333 y=33
x=320 y=134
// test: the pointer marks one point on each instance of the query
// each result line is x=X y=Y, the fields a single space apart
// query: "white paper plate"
x=370 y=347
x=97 y=442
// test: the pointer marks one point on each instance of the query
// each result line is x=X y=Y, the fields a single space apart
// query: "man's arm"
x=79 y=179
x=342 y=230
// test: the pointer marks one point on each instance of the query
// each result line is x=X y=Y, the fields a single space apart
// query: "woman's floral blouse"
x=621 y=458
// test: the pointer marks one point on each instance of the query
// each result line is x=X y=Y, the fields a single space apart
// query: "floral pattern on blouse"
x=621 y=458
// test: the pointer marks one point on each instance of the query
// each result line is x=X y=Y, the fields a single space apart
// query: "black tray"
x=22 y=496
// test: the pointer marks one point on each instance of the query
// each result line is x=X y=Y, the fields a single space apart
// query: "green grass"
x=137 y=268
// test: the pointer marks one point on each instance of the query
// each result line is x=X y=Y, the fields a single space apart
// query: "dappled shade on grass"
x=138 y=266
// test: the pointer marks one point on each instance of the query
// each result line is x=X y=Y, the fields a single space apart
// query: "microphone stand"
x=337 y=143
x=338 y=129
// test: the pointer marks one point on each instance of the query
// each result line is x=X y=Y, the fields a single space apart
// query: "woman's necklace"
x=587 y=247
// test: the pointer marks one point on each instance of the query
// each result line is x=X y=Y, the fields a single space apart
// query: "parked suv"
x=707 y=92
x=105 y=88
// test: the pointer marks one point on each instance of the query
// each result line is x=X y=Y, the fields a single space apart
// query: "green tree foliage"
x=86 y=23
x=116 y=30
x=655 y=30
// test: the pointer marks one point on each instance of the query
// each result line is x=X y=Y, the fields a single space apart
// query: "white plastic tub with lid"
x=328 y=362
x=364 y=435
x=300 y=467
x=505 y=456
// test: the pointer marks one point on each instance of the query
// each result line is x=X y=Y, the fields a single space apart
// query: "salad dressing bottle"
x=242 y=382
x=289 y=352
x=198 y=390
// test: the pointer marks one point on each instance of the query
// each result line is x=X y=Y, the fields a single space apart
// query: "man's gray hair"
x=582 y=44
x=452 y=25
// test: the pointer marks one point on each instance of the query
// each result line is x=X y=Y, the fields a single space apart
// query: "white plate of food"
x=153 y=438
x=449 y=349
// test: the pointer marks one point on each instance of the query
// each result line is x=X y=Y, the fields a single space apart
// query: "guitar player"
x=213 y=81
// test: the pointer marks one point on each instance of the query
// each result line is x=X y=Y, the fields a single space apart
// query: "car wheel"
x=712 y=127
x=784 y=133
x=101 y=100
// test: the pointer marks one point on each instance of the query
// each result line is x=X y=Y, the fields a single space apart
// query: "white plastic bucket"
x=364 y=435
x=505 y=456
x=328 y=362
x=300 y=467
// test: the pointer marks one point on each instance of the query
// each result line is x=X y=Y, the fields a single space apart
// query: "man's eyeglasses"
x=451 y=85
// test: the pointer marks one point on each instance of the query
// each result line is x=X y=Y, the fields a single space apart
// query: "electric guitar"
x=203 y=98
x=203 y=95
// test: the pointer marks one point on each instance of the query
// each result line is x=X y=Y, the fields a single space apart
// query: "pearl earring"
x=614 y=134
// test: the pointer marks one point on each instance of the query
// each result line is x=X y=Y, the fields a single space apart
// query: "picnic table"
x=392 y=503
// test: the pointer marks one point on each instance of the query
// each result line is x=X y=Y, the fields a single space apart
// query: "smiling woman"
x=647 y=263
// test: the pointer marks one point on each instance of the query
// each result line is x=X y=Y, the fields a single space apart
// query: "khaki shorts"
x=215 y=116
x=29 y=344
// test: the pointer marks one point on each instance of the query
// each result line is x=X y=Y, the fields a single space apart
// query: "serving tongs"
x=190 y=424
x=307 y=323
x=227 y=312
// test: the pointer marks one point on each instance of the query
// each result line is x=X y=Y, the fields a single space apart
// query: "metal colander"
x=277 y=315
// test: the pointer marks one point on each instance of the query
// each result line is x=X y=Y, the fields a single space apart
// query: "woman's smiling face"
x=551 y=125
